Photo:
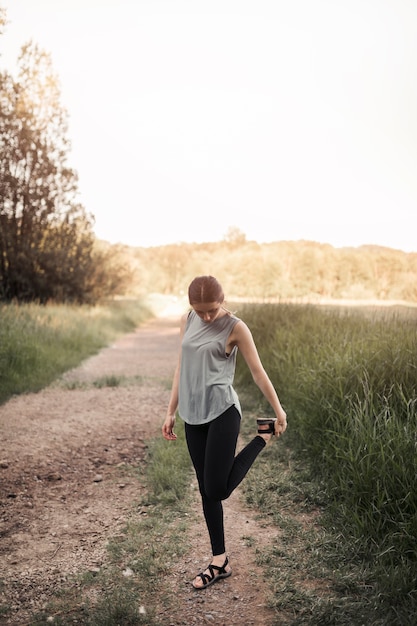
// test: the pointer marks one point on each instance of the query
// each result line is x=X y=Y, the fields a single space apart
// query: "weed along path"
x=68 y=489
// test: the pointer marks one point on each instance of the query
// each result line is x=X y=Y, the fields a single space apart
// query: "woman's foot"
x=218 y=568
x=266 y=429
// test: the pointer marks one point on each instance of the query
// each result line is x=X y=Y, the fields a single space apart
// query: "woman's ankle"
x=263 y=439
x=219 y=559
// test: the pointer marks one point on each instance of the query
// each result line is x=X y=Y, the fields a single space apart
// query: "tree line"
x=301 y=270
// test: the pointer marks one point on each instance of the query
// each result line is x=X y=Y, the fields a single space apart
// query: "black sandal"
x=261 y=421
x=209 y=579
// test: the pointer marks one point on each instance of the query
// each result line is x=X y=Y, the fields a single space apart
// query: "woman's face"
x=208 y=311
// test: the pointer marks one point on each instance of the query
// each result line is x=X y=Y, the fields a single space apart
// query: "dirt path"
x=62 y=497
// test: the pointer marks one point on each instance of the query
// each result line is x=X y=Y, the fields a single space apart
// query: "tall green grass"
x=348 y=380
x=38 y=343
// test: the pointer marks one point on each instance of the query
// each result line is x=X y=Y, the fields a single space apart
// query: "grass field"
x=38 y=343
x=348 y=380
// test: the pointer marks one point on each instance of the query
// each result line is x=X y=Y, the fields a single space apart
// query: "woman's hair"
x=205 y=289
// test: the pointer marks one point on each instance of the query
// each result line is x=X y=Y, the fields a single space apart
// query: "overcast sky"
x=288 y=119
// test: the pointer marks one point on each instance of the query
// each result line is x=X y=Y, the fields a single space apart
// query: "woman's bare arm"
x=168 y=425
x=242 y=338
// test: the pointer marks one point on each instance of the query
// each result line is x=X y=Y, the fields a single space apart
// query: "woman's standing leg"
x=196 y=437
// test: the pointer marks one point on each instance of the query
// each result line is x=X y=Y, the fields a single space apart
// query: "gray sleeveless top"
x=207 y=372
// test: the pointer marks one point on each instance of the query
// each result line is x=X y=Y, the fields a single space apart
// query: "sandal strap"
x=211 y=575
x=206 y=578
x=220 y=568
x=266 y=422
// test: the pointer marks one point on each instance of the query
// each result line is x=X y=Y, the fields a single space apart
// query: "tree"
x=46 y=237
x=113 y=272
x=235 y=237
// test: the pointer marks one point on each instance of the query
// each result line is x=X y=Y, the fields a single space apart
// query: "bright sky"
x=288 y=119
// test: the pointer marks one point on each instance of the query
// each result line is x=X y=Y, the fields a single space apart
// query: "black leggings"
x=212 y=449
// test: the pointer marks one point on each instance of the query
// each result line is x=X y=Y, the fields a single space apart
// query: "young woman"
x=203 y=393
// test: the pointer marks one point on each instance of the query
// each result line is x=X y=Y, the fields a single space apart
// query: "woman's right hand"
x=281 y=422
x=168 y=428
